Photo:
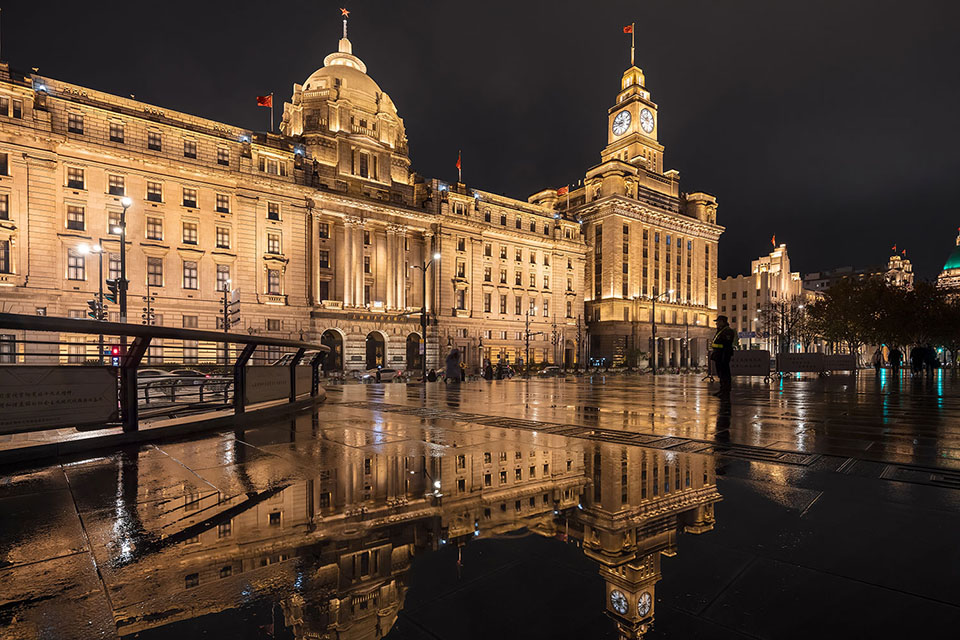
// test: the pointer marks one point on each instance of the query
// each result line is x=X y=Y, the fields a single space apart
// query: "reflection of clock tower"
x=632 y=126
x=630 y=594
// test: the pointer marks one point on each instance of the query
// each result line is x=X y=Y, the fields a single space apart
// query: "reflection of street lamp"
x=653 y=325
x=97 y=249
x=423 y=310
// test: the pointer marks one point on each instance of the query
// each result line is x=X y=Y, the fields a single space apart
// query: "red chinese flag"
x=904 y=252
x=458 y=160
x=265 y=101
x=628 y=28
x=894 y=248
x=562 y=191
x=773 y=241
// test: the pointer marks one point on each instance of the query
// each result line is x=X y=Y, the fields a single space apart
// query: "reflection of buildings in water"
x=344 y=539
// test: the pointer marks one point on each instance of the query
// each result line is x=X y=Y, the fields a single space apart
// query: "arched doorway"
x=414 y=358
x=333 y=360
x=376 y=350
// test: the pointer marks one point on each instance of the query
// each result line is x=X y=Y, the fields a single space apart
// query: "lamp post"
x=653 y=325
x=526 y=334
x=423 y=310
x=125 y=203
x=97 y=249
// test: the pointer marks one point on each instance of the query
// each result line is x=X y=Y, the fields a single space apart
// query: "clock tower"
x=632 y=125
x=630 y=594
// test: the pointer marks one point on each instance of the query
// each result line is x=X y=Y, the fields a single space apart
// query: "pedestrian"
x=916 y=360
x=432 y=375
x=896 y=359
x=453 y=372
x=878 y=359
x=722 y=352
x=488 y=372
x=930 y=360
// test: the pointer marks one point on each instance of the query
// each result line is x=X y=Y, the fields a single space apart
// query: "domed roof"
x=953 y=262
x=346 y=72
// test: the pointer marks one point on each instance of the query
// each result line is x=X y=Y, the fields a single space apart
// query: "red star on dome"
x=344 y=12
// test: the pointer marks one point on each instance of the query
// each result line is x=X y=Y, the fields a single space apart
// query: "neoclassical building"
x=324 y=229
x=949 y=277
x=652 y=248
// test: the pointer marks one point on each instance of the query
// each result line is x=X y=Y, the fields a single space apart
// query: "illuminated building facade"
x=949 y=277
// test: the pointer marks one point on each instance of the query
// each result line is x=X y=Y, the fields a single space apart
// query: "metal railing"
x=162 y=367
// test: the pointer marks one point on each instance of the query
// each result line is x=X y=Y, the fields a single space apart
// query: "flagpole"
x=271 y=112
x=459 y=171
x=633 y=40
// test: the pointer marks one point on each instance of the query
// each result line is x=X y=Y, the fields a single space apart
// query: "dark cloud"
x=828 y=123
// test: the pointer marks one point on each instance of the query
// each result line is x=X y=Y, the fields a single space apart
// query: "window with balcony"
x=75 y=178
x=223 y=203
x=190 y=275
x=75 y=215
x=154 y=141
x=115 y=185
x=273 y=282
x=154 y=192
x=190 y=197
x=155 y=272
x=189 y=233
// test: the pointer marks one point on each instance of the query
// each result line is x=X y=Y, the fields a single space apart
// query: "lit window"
x=154 y=192
x=74 y=217
x=154 y=141
x=75 y=123
x=273 y=243
x=189 y=233
x=4 y=206
x=76 y=265
x=75 y=178
x=223 y=203
x=223 y=277
x=116 y=132
x=115 y=185
x=154 y=229
x=273 y=281
x=190 y=279
x=190 y=149
x=273 y=211
x=223 y=156
x=189 y=197
x=155 y=272
x=223 y=237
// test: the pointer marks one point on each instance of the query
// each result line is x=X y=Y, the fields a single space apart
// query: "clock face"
x=643 y=604
x=621 y=123
x=646 y=120
x=618 y=601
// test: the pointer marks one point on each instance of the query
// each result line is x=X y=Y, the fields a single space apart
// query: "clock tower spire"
x=632 y=123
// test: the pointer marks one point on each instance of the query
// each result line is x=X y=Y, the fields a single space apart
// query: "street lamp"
x=125 y=203
x=653 y=325
x=527 y=333
x=423 y=310
x=97 y=249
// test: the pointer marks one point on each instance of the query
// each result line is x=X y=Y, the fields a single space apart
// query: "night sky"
x=830 y=123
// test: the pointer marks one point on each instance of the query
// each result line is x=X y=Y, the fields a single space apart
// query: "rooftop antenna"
x=345 y=14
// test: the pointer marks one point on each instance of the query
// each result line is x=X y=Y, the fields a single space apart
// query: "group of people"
x=923 y=358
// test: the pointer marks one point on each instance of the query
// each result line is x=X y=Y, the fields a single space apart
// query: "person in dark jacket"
x=916 y=360
x=453 y=372
x=432 y=375
x=488 y=372
x=896 y=359
x=721 y=353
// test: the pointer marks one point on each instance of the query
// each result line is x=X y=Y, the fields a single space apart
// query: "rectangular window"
x=4 y=164
x=569 y=309
x=461 y=244
x=533 y=257
x=366 y=238
x=518 y=305
x=324 y=289
x=154 y=192
x=461 y=299
x=113 y=266
x=503 y=252
x=324 y=230
x=190 y=149
x=189 y=233
x=533 y=226
x=503 y=276
x=75 y=178
x=223 y=277
x=488 y=250
x=76 y=265
x=324 y=259
x=223 y=156
x=154 y=141
x=5 y=256
x=115 y=186
x=75 y=123
x=366 y=264
x=17 y=108
x=273 y=211
x=190 y=347
x=116 y=132
x=223 y=237
x=503 y=219
x=518 y=278
x=4 y=106
x=546 y=311
x=273 y=281
x=155 y=272
x=223 y=203
x=518 y=256
x=273 y=243
x=154 y=229
x=189 y=197
x=533 y=281
x=8 y=349
x=4 y=206
x=190 y=278
x=113 y=222
x=461 y=269
x=503 y=303
x=487 y=274
x=546 y=282
x=487 y=302
x=569 y=284
x=75 y=217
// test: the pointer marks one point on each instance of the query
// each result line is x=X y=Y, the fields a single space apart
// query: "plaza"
x=521 y=506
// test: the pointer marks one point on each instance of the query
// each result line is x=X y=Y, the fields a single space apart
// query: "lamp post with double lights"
x=121 y=229
x=526 y=335
x=653 y=325
x=423 y=310
x=97 y=249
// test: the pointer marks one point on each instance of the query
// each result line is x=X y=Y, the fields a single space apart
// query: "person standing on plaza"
x=488 y=371
x=452 y=374
x=916 y=360
x=722 y=352
x=878 y=359
x=896 y=359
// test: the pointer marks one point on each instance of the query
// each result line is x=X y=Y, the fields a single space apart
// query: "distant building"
x=949 y=278
x=898 y=272
x=744 y=299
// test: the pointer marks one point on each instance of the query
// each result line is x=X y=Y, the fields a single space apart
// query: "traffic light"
x=94 y=307
x=113 y=286
x=115 y=353
x=233 y=310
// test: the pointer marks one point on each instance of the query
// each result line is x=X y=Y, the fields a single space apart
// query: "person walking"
x=453 y=373
x=916 y=360
x=878 y=359
x=896 y=359
x=488 y=371
x=721 y=353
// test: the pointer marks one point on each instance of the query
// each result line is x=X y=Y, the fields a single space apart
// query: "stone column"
x=314 y=296
x=358 y=273
x=429 y=248
x=401 y=269
x=391 y=269
x=347 y=263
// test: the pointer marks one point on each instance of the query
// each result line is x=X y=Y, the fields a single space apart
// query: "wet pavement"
x=601 y=508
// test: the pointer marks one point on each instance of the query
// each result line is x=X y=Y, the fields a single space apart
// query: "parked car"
x=287 y=358
x=152 y=373
x=386 y=375
x=550 y=372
